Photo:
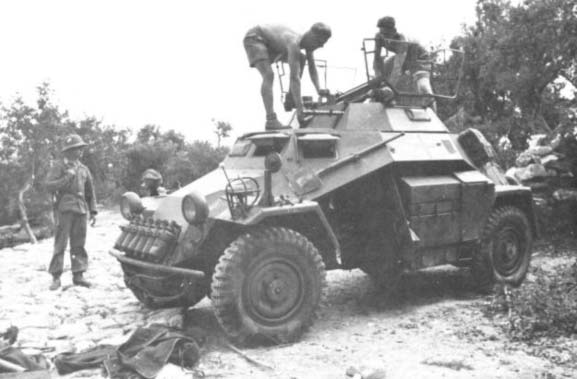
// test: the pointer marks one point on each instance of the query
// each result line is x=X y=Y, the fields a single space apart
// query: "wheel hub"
x=274 y=290
x=507 y=251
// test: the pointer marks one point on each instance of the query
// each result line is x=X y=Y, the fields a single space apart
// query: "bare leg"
x=266 y=88
x=423 y=83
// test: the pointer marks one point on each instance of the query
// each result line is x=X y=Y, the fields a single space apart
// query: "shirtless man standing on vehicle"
x=266 y=44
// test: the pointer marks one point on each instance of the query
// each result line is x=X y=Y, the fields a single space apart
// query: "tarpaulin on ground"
x=143 y=355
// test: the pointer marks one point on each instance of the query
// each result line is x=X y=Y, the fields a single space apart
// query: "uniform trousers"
x=70 y=226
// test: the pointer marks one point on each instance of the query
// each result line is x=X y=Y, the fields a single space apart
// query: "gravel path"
x=433 y=329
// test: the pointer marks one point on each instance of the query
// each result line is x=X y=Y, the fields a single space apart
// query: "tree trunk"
x=22 y=208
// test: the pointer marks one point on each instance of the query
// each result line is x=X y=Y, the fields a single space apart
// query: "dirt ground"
x=433 y=328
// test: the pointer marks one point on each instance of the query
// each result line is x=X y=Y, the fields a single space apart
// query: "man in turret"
x=151 y=183
x=409 y=56
x=75 y=202
x=266 y=44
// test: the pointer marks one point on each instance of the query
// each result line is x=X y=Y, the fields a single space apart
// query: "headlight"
x=194 y=208
x=130 y=205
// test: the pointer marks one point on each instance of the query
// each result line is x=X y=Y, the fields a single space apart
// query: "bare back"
x=280 y=41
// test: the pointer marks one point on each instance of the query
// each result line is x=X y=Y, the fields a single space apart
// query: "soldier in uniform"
x=71 y=183
x=151 y=184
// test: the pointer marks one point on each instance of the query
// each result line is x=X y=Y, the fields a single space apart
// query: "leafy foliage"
x=222 y=130
x=30 y=138
x=515 y=56
x=543 y=307
x=179 y=161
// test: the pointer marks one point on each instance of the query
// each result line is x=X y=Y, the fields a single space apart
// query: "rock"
x=565 y=195
x=531 y=171
x=532 y=155
x=366 y=373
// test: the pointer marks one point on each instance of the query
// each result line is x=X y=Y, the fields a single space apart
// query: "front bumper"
x=156 y=267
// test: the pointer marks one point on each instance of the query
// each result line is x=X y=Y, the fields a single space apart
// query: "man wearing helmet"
x=409 y=56
x=75 y=201
x=151 y=183
x=266 y=44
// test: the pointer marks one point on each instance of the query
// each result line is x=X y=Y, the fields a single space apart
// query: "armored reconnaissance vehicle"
x=373 y=181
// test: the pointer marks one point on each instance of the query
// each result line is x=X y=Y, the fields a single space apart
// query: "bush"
x=543 y=307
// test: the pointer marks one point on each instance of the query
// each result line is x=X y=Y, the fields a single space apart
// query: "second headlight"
x=194 y=208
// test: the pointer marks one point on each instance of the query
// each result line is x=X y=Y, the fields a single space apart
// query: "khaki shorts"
x=255 y=48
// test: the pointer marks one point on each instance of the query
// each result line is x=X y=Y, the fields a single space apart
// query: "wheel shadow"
x=413 y=290
x=348 y=294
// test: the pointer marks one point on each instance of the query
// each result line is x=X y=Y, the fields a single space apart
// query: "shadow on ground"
x=350 y=293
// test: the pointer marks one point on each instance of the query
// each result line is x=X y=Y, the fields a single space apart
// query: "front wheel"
x=268 y=283
x=505 y=252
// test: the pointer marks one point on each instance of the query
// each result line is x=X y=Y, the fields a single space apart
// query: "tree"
x=514 y=57
x=222 y=130
x=28 y=137
x=105 y=155
x=178 y=161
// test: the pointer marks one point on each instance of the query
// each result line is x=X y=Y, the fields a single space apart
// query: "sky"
x=180 y=64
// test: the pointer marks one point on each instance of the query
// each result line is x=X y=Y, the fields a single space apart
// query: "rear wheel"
x=505 y=252
x=268 y=283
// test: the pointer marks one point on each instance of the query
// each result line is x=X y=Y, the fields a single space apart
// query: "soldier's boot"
x=78 y=280
x=272 y=123
x=55 y=283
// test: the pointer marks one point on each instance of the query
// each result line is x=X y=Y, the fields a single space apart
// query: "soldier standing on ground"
x=75 y=201
x=409 y=56
x=265 y=44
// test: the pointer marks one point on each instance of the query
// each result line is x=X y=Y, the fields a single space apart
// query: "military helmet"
x=386 y=22
x=151 y=174
x=72 y=141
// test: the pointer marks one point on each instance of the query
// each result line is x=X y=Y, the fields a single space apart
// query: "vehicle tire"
x=268 y=284
x=505 y=251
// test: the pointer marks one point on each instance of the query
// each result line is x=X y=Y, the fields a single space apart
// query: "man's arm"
x=313 y=70
x=377 y=59
x=58 y=178
x=398 y=63
x=89 y=192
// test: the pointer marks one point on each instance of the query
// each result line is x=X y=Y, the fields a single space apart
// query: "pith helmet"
x=151 y=174
x=72 y=141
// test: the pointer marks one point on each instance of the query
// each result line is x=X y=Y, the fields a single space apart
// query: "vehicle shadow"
x=351 y=293
x=414 y=289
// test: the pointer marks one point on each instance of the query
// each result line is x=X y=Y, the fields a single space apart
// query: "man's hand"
x=92 y=219
x=302 y=119
x=70 y=173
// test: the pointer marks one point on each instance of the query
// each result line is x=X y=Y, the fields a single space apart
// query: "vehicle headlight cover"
x=194 y=208
x=131 y=205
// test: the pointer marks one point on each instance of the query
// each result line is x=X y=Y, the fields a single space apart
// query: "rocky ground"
x=435 y=328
